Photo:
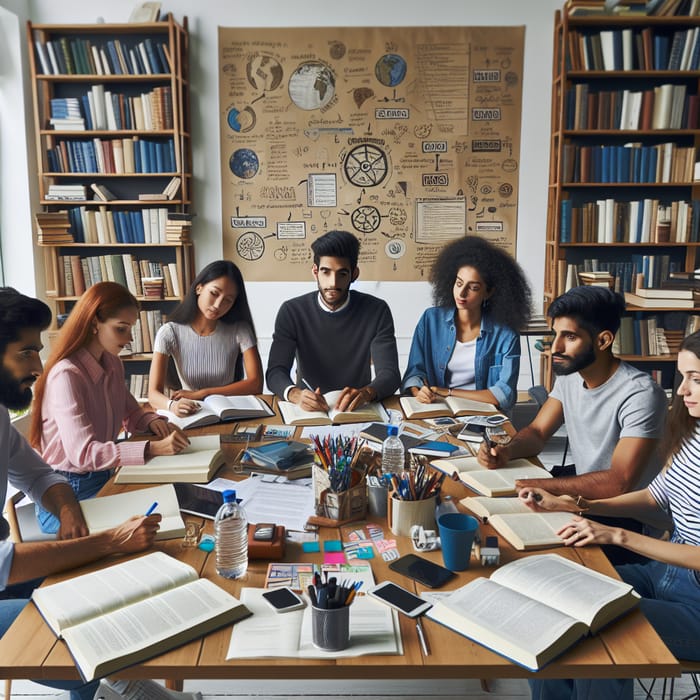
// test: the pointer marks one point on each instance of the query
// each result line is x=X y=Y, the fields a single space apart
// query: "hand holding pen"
x=425 y=394
x=309 y=399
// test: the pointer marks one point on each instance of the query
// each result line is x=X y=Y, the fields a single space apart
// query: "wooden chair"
x=689 y=668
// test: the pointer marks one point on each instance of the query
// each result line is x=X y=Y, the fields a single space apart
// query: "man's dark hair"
x=595 y=309
x=18 y=312
x=337 y=244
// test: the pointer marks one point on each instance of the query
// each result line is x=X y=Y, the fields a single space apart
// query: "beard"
x=573 y=364
x=12 y=395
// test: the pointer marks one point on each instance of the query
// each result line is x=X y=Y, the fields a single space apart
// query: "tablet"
x=422 y=570
x=198 y=500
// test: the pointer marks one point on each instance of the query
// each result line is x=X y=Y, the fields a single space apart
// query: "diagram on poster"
x=407 y=137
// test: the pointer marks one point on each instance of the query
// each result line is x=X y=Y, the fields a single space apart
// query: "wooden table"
x=628 y=648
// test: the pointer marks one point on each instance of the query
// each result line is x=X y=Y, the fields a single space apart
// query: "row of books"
x=628 y=49
x=630 y=163
x=593 y=8
x=77 y=273
x=145 y=329
x=655 y=270
x=138 y=385
x=645 y=334
x=105 y=225
x=639 y=221
x=112 y=156
x=76 y=56
x=103 y=110
x=663 y=107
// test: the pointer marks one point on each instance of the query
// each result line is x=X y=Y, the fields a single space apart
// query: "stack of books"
x=597 y=279
x=178 y=227
x=68 y=192
x=660 y=298
x=674 y=340
x=53 y=228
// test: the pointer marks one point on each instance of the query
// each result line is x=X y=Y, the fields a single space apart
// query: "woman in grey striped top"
x=211 y=339
x=669 y=582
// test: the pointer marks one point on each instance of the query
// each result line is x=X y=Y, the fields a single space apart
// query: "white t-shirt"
x=460 y=368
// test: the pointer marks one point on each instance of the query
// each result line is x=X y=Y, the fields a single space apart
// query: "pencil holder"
x=344 y=505
x=330 y=629
x=402 y=515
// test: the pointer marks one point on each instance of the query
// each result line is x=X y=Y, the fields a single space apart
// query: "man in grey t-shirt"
x=614 y=413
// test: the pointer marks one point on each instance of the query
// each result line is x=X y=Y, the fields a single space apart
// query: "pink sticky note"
x=334 y=558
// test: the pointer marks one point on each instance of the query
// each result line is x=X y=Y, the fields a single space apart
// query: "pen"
x=421 y=637
x=154 y=505
x=306 y=384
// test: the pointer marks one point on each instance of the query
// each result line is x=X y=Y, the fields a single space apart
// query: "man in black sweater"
x=334 y=334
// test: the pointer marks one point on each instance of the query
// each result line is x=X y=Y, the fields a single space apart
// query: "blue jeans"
x=10 y=608
x=84 y=486
x=671 y=603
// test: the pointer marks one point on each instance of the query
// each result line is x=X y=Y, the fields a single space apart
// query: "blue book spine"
x=653 y=159
x=171 y=166
x=76 y=225
x=604 y=170
x=85 y=103
x=617 y=49
x=137 y=225
x=90 y=158
x=137 y=156
x=143 y=148
x=636 y=325
x=565 y=232
x=161 y=55
x=159 y=150
x=152 y=54
x=114 y=58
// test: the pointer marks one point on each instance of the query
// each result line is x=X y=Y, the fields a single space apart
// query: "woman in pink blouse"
x=81 y=402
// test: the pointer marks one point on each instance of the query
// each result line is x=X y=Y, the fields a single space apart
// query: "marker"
x=154 y=505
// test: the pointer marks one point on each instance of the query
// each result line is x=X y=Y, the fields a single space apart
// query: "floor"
x=357 y=690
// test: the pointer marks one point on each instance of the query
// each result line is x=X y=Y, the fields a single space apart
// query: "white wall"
x=407 y=300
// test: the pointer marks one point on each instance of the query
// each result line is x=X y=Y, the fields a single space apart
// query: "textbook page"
x=77 y=599
x=531 y=530
x=151 y=626
x=485 y=506
x=580 y=592
x=508 y=622
x=374 y=629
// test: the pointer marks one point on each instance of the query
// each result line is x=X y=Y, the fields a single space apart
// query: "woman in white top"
x=207 y=335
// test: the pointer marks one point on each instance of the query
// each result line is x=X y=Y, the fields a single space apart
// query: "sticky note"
x=332 y=546
x=334 y=558
x=311 y=546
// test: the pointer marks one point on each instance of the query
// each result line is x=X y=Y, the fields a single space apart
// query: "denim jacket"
x=497 y=355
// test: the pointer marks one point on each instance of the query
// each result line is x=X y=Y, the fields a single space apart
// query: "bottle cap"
x=229 y=496
x=392 y=429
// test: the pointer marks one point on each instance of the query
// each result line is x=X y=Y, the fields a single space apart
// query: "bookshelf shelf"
x=117 y=97
x=625 y=108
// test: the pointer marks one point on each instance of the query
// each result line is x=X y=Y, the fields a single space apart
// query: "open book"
x=374 y=629
x=449 y=406
x=532 y=633
x=294 y=415
x=216 y=408
x=491 y=482
x=530 y=530
x=197 y=464
x=129 y=612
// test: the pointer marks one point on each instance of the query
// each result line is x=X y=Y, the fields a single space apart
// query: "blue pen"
x=154 y=505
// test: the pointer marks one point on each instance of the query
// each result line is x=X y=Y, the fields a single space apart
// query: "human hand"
x=492 y=456
x=351 y=398
x=183 y=406
x=135 y=534
x=174 y=442
x=581 y=531
x=160 y=427
x=72 y=523
x=425 y=394
x=308 y=400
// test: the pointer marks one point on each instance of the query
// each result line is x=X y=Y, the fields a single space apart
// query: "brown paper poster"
x=408 y=137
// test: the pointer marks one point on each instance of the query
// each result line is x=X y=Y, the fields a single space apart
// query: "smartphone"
x=422 y=570
x=283 y=599
x=399 y=598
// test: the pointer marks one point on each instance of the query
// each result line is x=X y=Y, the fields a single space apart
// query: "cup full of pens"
x=412 y=498
x=339 y=478
x=330 y=612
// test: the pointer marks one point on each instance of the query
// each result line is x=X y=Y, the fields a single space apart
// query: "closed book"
x=658 y=303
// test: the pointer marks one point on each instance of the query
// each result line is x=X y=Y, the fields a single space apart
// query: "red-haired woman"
x=81 y=402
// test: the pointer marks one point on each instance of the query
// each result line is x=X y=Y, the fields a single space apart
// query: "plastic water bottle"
x=231 y=529
x=393 y=454
x=446 y=505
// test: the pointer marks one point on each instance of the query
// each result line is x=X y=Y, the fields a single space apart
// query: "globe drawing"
x=264 y=73
x=312 y=85
x=241 y=120
x=250 y=246
x=390 y=69
x=366 y=166
x=244 y=163
x=366 y=219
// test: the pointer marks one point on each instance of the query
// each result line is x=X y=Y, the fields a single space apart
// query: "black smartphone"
x=198 y=500
x=422 y=570
x=283 y=599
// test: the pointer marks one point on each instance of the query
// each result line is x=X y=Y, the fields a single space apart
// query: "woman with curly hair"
x=467 y=345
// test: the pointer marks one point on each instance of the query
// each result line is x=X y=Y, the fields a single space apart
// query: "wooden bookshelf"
x=624 y=144
x=112 y=110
